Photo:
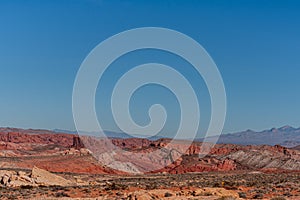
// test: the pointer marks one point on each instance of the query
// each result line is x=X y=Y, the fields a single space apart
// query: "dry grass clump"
x=278 y=198
x=227 y=198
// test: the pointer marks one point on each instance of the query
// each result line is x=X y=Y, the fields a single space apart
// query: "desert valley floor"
x=37 y=164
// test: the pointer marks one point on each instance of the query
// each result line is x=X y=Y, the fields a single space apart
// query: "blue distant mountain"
x=286 y=136
x=110 y=134
x=64 y=131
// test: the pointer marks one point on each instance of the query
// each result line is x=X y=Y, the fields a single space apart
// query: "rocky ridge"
x=69 y=153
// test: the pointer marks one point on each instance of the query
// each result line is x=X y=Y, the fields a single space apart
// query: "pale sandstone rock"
x=37 y=177
x=5 y=179
x=221 y=192
x=43 y=177
x=84 y=151
x=21 y=173
x=25 y=178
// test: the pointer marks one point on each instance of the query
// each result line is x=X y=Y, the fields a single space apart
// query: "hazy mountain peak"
x=286 y=128
x=287 y=136
x=274 y=130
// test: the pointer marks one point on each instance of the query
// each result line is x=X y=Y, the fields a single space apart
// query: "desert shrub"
x=57 y=188
x=167 y=194
x=86 y=190
x=61 y=194
x=258 y=196
x=278 y=198
x=217 y=184
x=227 y=198
x=242 y=195
x=26 y=186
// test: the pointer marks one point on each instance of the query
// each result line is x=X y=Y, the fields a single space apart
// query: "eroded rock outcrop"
x=37 y=177
x=71 y=153
x=43 y=177
x=77 y=143
x=62 y=139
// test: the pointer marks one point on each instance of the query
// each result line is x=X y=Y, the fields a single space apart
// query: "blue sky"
x=255 y=45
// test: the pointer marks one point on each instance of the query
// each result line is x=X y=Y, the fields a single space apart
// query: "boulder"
x=43 y=177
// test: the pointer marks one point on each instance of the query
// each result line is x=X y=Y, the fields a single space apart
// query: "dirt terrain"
x=37 y=164
x=208 y=185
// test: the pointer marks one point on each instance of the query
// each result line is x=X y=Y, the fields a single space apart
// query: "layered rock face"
x=52 y=138
x=221 y=157
x=60 y=152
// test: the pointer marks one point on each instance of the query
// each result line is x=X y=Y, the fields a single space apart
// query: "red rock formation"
x=227 y=165
x=181 y=157
x=47 y=138
x=77 y=143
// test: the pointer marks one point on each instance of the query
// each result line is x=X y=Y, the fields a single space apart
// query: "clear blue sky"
x=255 y=44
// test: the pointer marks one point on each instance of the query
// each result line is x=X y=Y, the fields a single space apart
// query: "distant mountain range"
x=110 y=134
x=285 y=136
